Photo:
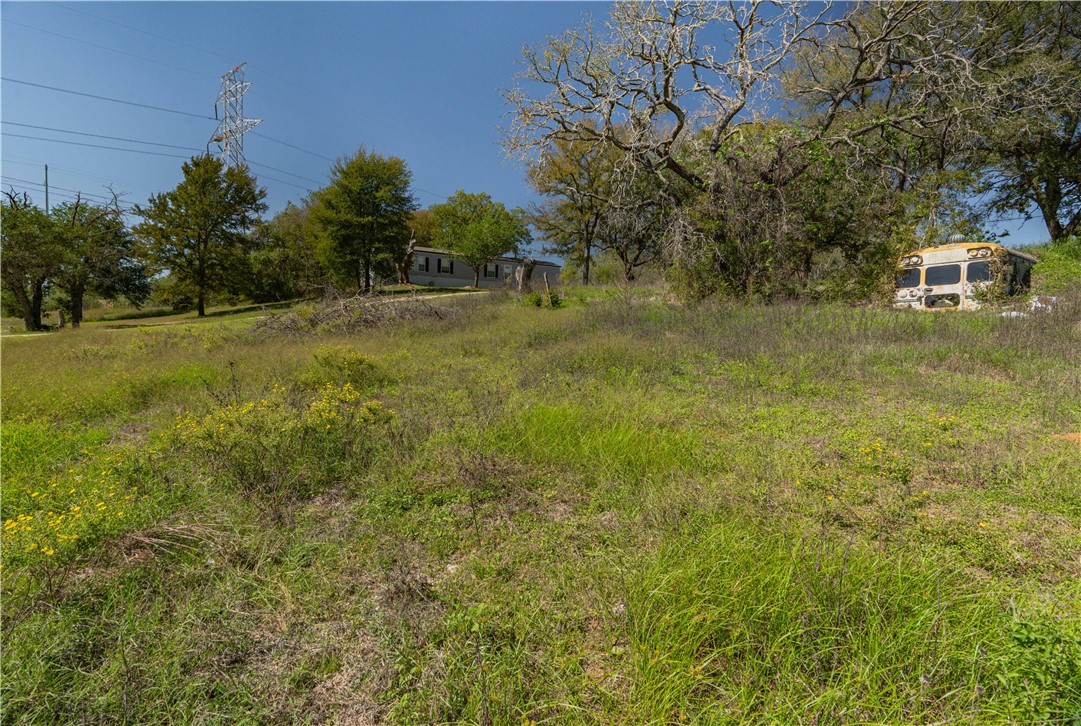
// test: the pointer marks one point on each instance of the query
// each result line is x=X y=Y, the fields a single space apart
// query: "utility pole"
x=229 y=135
x=46 y=189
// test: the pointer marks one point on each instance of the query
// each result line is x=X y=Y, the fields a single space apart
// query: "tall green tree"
x=286 y=261
x=363 y=215
x=99 y=256
x=1023 y=116
x=476 y=229
x=32 y=254
x=198 y=230
x=576 y=178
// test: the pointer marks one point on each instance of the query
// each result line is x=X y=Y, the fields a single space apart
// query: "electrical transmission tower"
x=229 y=135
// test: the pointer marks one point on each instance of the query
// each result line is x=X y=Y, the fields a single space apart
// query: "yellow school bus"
x=960 y=275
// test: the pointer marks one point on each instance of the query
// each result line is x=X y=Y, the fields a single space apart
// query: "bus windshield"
x=942 y=275
x=908 y=278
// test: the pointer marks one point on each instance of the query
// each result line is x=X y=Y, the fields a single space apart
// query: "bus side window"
x=1022 y=274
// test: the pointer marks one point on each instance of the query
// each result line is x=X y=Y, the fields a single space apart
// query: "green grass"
x=620 y=510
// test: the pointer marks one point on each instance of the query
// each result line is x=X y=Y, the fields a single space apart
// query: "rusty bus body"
x=960 y=276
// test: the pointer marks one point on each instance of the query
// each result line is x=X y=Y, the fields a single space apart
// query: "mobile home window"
x=446 y=266
x=491 y=269
x=421 y=264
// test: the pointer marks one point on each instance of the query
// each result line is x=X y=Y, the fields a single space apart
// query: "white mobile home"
x=436 y=268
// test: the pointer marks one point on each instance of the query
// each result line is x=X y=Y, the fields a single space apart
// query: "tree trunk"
x=585 y=268
x=476 y=277
x=524 y=273
x=24 y=301
x=407 y=262
x=38 y=287
x=367 y=272
x=200 y=304
x=75 y=311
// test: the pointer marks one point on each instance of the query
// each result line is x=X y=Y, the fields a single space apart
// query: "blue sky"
x=416 y=80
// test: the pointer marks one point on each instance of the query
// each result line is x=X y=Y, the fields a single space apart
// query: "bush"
x=279 y=449
x=340 y=365
x=546 y=299
x=1059 y=268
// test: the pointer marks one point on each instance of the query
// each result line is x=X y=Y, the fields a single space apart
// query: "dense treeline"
x=797 y=149
x=205 y=240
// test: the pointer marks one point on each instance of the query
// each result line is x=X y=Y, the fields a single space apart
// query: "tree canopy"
x=32 y=254
x=198 y=231
x=363 y=216
x=476 y=229
x=99 y=256
x=895 y=118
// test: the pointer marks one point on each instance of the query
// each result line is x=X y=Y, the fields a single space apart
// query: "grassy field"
x=619 y=511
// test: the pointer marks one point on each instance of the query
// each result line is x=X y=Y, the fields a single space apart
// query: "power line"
x=283 y=171
x=282 y=181
x=94 y=146
x=37 y=165
x=153 y=153
x=76 y=192
x=106 y=48
x=140 y=30
x=302 y=87
x=100 y=136
x=134 y=141
x=63 y=189
x=283 y=143
x=106 y=98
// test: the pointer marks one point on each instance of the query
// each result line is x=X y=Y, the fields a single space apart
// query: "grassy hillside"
x=622 y=510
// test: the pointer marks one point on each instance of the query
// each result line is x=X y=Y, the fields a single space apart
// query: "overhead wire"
x=140 y=30
x=71 y=193
x=73 y=172
x=219 y=55
x=166 y=110
x=93 y=146
x=141 y=105
x=107 y=98
x=106 y=48
x=264 y=71
x=100 y=136
x=291 y=146
x=283 y=171
x=282 y=181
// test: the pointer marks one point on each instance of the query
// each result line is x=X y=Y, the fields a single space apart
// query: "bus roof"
x=971 y=245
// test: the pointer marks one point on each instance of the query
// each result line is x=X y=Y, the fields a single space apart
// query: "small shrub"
x=546 y=299
x=280 y=449
x=337 y=365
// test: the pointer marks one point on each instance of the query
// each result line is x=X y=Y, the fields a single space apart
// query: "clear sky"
x=416 y=80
